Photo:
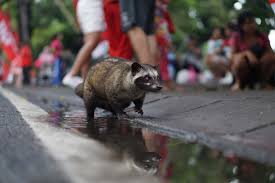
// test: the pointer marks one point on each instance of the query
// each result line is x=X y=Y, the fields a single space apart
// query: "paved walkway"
x=22 y=157
x=241 y=123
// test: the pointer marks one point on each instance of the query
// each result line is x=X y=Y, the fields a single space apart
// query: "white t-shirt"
x=212 y=45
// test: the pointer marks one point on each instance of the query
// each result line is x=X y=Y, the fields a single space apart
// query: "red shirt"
x=26 y=55
x=119 y=43
x=75 y=4
x=237 y=42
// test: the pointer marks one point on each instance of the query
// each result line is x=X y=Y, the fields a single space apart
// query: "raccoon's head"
x=146 y=77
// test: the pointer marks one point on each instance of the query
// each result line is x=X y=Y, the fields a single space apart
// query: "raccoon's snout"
x=159 y=87
x=156 y=87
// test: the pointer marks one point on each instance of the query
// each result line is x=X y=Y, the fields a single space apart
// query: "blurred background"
x=36 y=22
x=197 y=17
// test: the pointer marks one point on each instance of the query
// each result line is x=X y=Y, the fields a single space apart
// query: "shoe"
x=71 y=81
x=208 y=80
x=236 y=87
x=227 y=79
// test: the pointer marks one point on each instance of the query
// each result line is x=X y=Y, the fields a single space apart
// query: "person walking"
x=26 y=56
x=130 y=29
x=90 y=17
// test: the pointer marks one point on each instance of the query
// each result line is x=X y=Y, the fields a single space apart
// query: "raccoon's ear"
x=156 y=67
x=135 y=68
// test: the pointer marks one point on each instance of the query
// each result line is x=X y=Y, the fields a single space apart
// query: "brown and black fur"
x=111 y=85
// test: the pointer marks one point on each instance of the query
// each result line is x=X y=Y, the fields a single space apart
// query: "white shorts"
x=90 y=15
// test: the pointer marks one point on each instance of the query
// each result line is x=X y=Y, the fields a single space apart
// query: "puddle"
x=170 y=159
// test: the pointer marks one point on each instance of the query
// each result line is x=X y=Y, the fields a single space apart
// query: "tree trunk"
x=24 y=13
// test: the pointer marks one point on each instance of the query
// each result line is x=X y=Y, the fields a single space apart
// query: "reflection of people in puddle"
x=245 y=170
x=127 y=143
x=159 y=143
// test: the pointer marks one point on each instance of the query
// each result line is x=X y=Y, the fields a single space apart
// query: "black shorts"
x=139 y=13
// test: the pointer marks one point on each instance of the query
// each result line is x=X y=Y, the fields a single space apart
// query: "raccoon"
x=114 y=83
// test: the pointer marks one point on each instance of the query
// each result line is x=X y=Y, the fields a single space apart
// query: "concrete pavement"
x=241 y=123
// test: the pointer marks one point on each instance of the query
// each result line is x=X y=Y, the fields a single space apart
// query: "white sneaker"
x=227 y=79
x=208 y=80
x=71 y=81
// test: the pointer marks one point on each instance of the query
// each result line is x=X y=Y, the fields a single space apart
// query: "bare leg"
x=218 y=68
x=19 y=78
x=267 y=69
x=18 y=81
x=83 y=56
x=85 y=69
x=154 y=50
x=140 y=44
x=240 y=69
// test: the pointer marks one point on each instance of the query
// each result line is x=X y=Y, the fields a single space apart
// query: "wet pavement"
x=240 y=122
x=22 y=157
x=170 y=159
x=162 y=152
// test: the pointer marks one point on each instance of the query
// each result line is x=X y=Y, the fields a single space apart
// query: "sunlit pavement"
x=241 y=123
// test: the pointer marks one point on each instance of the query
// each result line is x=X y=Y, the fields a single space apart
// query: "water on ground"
x=156 y=154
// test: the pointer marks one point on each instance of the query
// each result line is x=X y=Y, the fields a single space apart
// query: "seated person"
x=252 y=57
x=216 y=58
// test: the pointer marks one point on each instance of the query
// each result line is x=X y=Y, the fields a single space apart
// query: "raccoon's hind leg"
x=90 y=103
x=138 y=105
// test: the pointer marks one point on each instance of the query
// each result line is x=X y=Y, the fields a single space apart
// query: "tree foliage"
x=199 y=17
x=196 y=17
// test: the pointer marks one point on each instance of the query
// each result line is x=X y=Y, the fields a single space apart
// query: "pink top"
x=57 y=47
x=240 y=45
x=46 y=57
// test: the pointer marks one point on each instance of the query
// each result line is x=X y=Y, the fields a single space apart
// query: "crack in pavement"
x=254 y=129
x=150 y=102
x=202 y=106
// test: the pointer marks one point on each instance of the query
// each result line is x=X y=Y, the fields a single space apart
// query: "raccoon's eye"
x=147 y=78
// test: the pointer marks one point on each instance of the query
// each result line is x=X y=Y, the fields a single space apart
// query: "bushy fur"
x=114 y=83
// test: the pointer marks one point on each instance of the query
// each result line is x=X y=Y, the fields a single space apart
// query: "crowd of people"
x=238 y=54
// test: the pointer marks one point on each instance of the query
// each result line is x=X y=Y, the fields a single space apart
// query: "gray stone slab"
x=211 y=115
x=261 y=138
x=257 y=144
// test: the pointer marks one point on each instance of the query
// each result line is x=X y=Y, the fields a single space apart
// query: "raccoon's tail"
x=79 y=90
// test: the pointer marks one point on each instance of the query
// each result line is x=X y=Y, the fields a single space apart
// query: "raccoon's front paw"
x=139 y=110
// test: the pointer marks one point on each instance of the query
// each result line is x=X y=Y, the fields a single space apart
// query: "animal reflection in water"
x=127 y=143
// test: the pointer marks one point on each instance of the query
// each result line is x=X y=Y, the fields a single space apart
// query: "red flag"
x=7 y=38
x=8 y=42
